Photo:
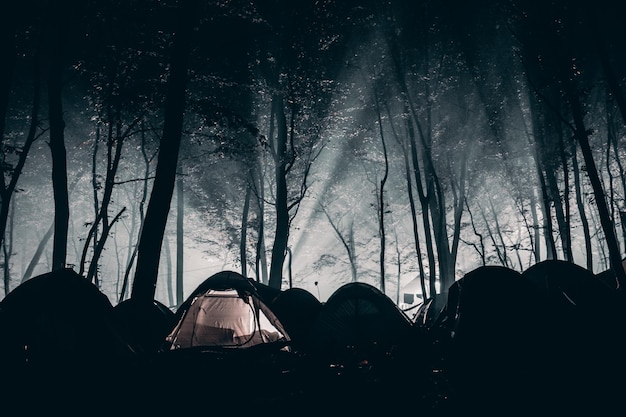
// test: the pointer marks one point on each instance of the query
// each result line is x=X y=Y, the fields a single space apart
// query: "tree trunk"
x=566 y=231
x=168 y=270
x=481 y=240
x=142 y=203
x=416 y=237
x=57 y=139
x=151 y=239
x=346 y=241
x=381 y=198
x=555 y=198
x=180 y=233
x=8 y=54
x=260 y=258
x=598 y=191
x=581 y=209
x=7 y=248
x=548 y=229
x=459 y=200
x=281 y=236
x=499 y=251
x=115 y=140
x=28 y=273
x=7 y=191
x=95 y=185
x=243 y=241
x=424 y=202
x=536 y=227
x=496 y=223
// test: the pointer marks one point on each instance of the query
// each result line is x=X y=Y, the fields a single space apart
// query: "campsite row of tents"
x=554 y=333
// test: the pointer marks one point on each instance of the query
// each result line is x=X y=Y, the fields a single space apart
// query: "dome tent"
x=146 y=323
x=491 y=336
x=60 y=317
x=492 y=316
x=224 y=335
x=581 y=310
x=62 y=341
x=225 y=311
x=363 y=345
x=298 y=310
x=359 y=324
x=586 y=336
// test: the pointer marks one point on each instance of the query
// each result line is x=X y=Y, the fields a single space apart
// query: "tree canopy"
x=317 y=142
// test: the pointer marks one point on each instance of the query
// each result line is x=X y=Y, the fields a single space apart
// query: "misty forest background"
x=148 y=144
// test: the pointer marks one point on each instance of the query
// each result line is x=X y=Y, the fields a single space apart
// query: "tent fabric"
x=492 y=311
x=146 y=323
x=492 y=337
x=60 y=315
x=584 y=314
x=569 y=284
x=361 y=335
x=358 y=314
x=585 y=337
x=298 y=310
x=62 y=347
x=225 y=311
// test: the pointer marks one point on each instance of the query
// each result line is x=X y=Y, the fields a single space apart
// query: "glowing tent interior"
x=225 y=311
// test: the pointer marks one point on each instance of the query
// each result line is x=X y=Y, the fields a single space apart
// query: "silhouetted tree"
x=151 y=238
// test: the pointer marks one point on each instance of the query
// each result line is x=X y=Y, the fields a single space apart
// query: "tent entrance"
x=224 y=318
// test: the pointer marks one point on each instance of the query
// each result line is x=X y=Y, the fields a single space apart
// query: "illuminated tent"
x=227 y=350
x=225 y=311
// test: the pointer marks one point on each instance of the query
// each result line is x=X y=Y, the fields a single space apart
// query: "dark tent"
x=62 y=345
x=225 y=311
x=58 y=317
x=358 y=324
x=586 y=335
x=581 y=308
x=569 y=285
x=491 y=334
x=298 y=310
x=146 y=323
x=359 y=315
x=363 y=345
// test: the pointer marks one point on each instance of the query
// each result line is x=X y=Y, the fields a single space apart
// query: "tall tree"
x=57 y=40
x=180 y=233
x=381 y=203
x=151 y=239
